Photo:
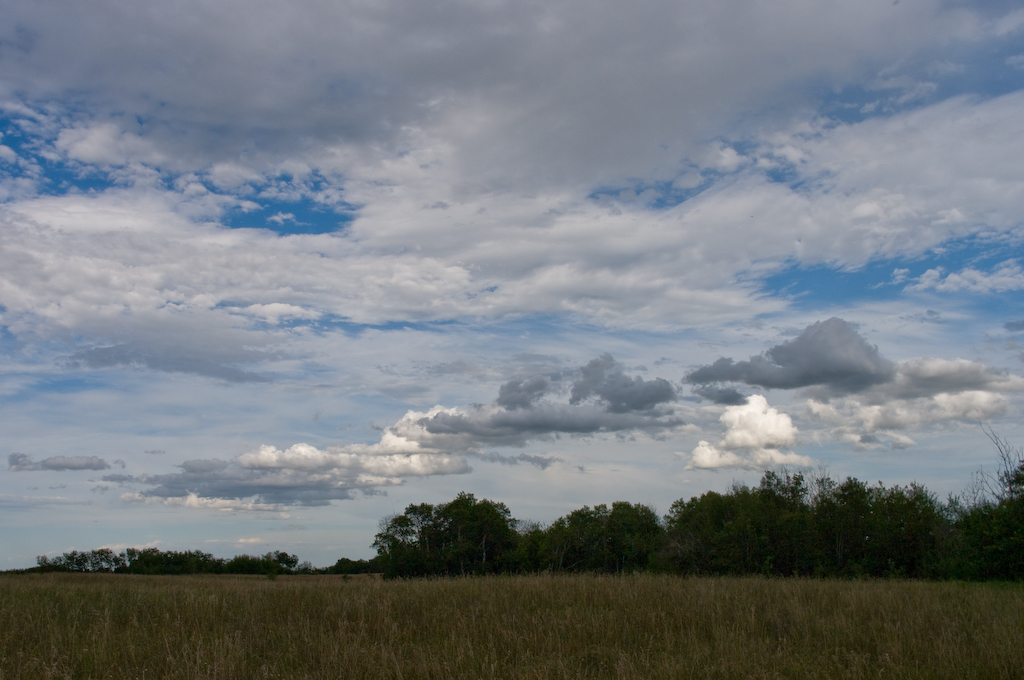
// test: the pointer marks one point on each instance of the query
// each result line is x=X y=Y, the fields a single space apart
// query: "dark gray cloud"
x=19 y=462
x=136 y=355
x=727 y=396
x=226 y=480
x=488 y=427
x=827 y=353
x=220 y=479
x=604 y=378
x=927 y=377
x=367 y=72
x=603 y=399
x=1014 y=326
x=523 y=392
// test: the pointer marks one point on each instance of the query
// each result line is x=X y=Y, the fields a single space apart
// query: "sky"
x=272 y=271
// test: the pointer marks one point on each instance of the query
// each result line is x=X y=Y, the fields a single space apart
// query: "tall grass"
x=109 y=626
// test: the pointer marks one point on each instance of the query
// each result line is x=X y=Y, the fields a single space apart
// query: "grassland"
x=116 y=626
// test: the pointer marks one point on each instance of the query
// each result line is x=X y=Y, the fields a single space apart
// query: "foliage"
x=350 y=567
x=625 y=538
x=463 y=536
x=152 y=561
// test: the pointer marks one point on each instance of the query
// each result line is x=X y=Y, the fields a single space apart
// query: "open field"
x=116 y=626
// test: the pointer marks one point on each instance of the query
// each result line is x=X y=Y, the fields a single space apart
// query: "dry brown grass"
x=100 y=626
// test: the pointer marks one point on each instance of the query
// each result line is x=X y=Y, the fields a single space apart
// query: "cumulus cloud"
x=863 y=397
x=20 y=462
x=827 y=353
x=754 y=434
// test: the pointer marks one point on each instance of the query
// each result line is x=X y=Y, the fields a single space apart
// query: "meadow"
x=536 y=626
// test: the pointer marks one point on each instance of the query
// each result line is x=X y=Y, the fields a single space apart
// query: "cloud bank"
x=603 y=400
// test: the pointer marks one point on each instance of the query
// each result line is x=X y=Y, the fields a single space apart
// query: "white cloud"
x=357 y=460
x=281 y=217
x=1006 y=277
x=231 y=175
x=881 y=188
x=924 y=392
x=754 y=434
x=106 y=144
x=194 y=501
x=250 y=541
x=276 y=311
x=756 y=425
x=902 y=414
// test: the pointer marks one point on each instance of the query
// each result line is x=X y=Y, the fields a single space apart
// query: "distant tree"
x=153 y=561
x=578 y=540
x=623 y=538
x=102 y=560
x=635 y=536
x=716 y=534
x=989 y=541
x=347 y=566
x=272 y=563
x=463 y=536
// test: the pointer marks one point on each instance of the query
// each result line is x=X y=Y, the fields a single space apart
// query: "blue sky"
x=271 y=272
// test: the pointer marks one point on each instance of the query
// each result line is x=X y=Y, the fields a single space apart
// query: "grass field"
x=114 y=626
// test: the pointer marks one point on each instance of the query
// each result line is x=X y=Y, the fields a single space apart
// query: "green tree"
x=463 y=536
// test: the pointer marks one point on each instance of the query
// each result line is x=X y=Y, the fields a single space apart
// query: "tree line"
x=787 y=525
x=152 y=561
